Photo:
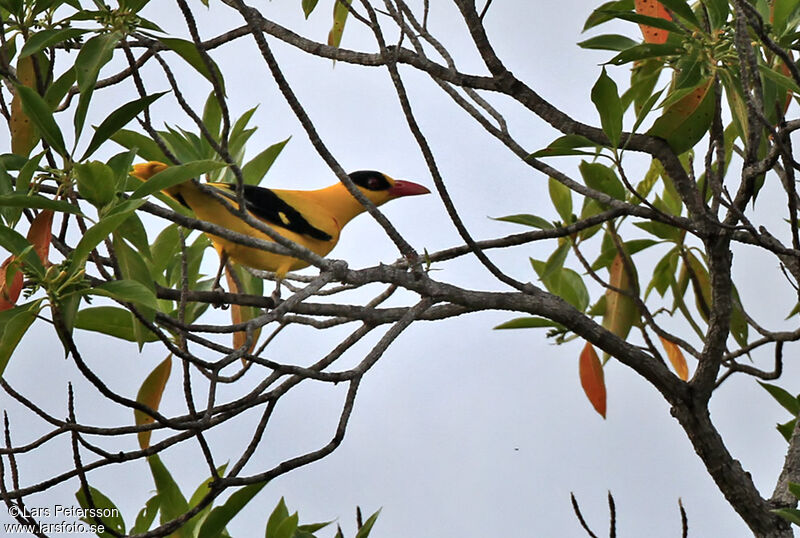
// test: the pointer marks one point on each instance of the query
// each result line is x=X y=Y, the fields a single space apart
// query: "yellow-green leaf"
x=150 y=395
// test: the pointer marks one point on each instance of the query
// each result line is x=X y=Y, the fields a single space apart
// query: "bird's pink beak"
x=406 y=188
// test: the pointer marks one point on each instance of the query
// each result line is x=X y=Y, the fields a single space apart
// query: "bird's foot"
x=221 y=305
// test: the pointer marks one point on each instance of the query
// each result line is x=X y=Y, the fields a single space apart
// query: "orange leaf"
x=785 y=72
x=621 y=311
x=653 y=8
x=39 y=234
x=238 y=315
x=23 y=136
x=243 y=283
x=703 y=294
x=676 y=358
x=686 y=121
x=9 y=296
x=591 y=374
x=150 y=395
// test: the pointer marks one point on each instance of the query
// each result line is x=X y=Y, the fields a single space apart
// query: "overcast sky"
x=459 y=430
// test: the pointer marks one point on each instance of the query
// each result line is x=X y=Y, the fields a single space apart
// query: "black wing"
x=268 y=206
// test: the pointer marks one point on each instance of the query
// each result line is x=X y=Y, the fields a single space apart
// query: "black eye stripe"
x=370 y=180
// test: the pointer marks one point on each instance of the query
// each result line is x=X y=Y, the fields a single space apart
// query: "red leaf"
x=9 y=296
x=39 y=234
x=653 y=8
x=676 y=357
x=591 y=374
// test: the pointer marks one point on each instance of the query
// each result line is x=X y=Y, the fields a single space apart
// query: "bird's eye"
x=373 y=183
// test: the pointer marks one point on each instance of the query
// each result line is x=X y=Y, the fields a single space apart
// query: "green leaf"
x=739 y=327
x=95 y=182
x=146 y=516
x=655 y=22
x=14 y=323
x=609 y=251
x=109 y=320
x=13 y=6
x=718 y=11
x=47 y=38
x=93 y=55
x=133 y=231
x=121 y=164
x=660 y=230
x=12 y=161
x=565 y=283
x=781 y=13
x=684 y=122
x=780 y=79
x=527 y=220
x=146 y=148
x=565 y=145
x=312 y=527
x=100 y=231
x=58 y=89
x=602 y=178
x=364 y=531
x=794 y=489
x=118 y=119
x=664 y=273
x=646 y=50
x=786 y=429
x=528 y=323
x=133 y=267
x=67 y=309
x=682 y=9
x=212 y=120
x=287 y=527
x=644 y=77
x=165 y=248
x=787 y=401
x=608 y=42
x=37 y=201
x=39 y=113
x=203 y=488
x=129 y=291
x=561 y=196
x=645 y=109
x=175 y=175
x=220 y=516
x=188 y=51
x=173 y=503
x=258 y=167
x=110 y=517
x=606 y=100
x=340 y=13
x=606 y=12
x=308 y=6
x=10 y=215
x=556 y=260
x=279 y=513
x=16 y=244
x=26 y=175
x=792 y=515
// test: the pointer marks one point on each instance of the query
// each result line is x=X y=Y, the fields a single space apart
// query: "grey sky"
x=459 y=430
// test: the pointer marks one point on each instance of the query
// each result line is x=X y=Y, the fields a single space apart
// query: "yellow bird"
x=312 y=218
